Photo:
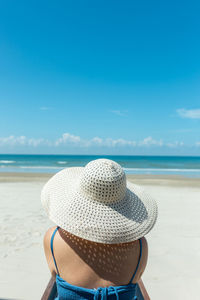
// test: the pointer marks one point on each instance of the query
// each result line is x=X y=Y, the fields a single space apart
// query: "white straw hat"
x=96 y=203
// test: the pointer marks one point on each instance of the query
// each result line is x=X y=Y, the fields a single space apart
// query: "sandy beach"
x=174 y=244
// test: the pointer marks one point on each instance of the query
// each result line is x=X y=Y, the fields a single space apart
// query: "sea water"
x=177 y=165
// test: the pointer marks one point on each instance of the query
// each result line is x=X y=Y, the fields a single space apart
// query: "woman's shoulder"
x=143 y=260
x=48 y=235
x=144 y=251
x=47 y=241
x=144 y=244
x=47 y=248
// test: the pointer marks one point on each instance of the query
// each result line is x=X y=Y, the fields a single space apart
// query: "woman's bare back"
x=92 y=265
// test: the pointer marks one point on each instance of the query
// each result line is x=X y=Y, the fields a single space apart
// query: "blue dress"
x=66 y=291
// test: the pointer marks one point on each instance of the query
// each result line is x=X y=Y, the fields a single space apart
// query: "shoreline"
x=143 y=179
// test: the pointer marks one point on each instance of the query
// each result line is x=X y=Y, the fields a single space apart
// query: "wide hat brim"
x=117 y=222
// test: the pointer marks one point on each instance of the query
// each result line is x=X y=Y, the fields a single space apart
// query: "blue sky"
x=100 y=77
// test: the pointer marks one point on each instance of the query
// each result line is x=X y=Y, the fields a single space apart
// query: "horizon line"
x=146 y=155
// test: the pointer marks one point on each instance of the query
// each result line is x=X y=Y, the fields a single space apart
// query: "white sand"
x=172 y=272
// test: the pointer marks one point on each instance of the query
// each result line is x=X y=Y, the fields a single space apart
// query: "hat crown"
x=103 y=180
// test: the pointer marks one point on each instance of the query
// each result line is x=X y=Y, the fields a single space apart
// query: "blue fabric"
x=138 y=261
x=52 y=238
x=66 y=291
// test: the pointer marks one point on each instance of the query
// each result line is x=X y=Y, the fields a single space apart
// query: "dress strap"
x=52 y=238
x=140 y=240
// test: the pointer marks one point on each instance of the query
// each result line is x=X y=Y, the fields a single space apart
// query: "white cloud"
x=119 y=142
x=36 y=142
x=21 y=140
x=119 y=112
x=67 y=138
x=12 y=140
x=149 y=141
x=175 y=144
x=71 y=140
x=45 y=108
x=189 y=113
x=97 y=140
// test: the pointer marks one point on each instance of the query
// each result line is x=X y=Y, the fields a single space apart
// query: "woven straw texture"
x=97 y=204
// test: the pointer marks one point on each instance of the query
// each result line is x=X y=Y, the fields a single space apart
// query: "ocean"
x=177 y=165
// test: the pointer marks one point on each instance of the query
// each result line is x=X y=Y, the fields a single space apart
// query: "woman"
x=98 y=249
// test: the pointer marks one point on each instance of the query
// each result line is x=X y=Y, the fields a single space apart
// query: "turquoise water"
x=177 y=165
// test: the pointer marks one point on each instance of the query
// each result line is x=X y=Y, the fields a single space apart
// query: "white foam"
x=7 y=161
x=161 y=170
x=39 y=167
